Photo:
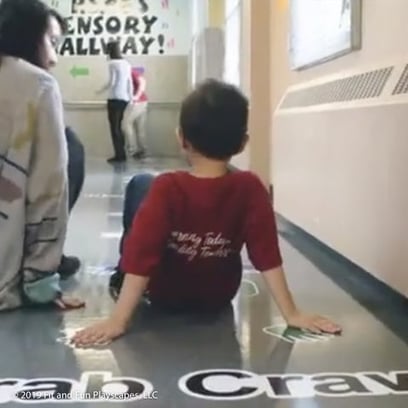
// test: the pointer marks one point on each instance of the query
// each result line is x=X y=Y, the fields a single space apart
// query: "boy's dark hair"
x=113 y=50
x=23 y=24
x=214 y=119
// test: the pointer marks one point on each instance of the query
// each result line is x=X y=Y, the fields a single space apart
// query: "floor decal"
x=92 y=387
x=111 y=235
x=250 y=288
x=103 y=195
x=100 y=270
x=115 y=215
x=292 y=335
x=214 y=384
x=238 y=385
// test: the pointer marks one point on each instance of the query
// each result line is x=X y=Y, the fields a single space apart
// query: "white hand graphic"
x=252 y=290
x=293 y=335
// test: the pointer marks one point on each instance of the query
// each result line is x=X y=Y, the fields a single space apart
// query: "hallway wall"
x=254 y=73
x=216 y=13
x=383 y=28
x=345 y=181
x=242 y=161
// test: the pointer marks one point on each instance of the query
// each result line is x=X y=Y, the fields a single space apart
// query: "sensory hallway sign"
x=154 y=27
x=215 y=385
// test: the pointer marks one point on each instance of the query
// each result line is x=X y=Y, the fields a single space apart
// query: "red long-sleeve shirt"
x=189 y=232
x=136 y=83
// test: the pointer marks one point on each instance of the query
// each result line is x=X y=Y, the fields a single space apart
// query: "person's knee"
x=139 y=183
x=136 y=191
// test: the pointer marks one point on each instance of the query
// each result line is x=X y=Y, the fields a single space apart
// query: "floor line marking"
x=111 y=235
x=115 y=214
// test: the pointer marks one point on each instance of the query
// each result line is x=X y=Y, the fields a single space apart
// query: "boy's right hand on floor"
x=313 y=323
x=99 y=334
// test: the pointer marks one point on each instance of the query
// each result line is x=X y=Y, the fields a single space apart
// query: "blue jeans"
x=136 y=191
x=76 y=166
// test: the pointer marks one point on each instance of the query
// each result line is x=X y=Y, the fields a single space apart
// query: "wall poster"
x=321 y=30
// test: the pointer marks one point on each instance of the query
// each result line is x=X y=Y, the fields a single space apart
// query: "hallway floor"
x=242 y=358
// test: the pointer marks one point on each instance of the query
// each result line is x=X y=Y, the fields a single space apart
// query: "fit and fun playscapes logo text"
x=221 y=385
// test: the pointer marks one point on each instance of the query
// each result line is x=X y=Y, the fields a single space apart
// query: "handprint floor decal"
x=293 y=335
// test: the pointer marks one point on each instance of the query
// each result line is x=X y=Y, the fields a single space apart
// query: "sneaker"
x=114 y=160
x=139 y=155
x=115 y=283
x=115 y=286
x=69 y=266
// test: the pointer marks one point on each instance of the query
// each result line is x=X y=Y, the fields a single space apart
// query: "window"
x=232 y=73
x=199 y=16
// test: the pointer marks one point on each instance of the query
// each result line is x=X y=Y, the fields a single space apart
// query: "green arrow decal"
x=79 y=71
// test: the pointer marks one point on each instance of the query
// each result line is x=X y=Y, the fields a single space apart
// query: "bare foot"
x=69 y=303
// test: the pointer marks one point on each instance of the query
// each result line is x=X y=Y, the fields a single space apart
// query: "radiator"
x=340 y=165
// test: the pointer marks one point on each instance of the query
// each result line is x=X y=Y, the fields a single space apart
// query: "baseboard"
x=375 y=296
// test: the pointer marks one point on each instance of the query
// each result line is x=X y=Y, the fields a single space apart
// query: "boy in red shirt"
x=183 y=250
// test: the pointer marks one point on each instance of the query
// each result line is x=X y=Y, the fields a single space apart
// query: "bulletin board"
x=64 y=7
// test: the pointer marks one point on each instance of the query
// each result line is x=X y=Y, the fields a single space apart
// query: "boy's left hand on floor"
x=313 y=323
